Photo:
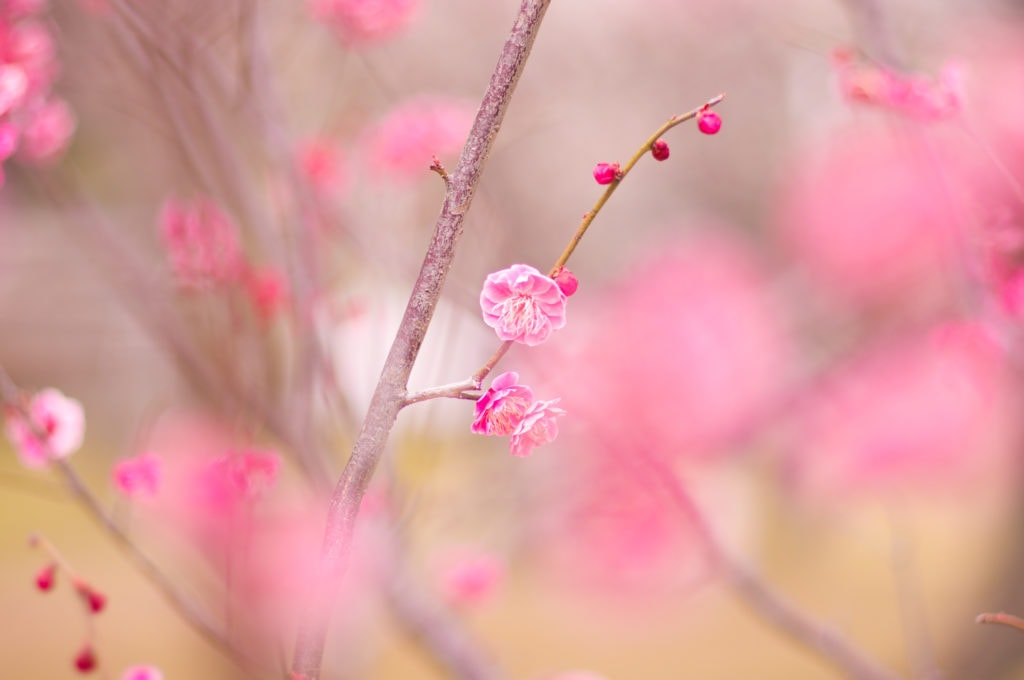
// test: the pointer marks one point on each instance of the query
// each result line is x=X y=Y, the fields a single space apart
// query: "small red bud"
x=93 y=598
x=708 y=121
x=567 y=281
x=660 y=150
x=86 y=660
x=46 y=577
x=606 y=173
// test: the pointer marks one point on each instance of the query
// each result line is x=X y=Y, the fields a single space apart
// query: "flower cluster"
x=508 y=408
x=33 y=123
x=51 y=426
x=917 y=96
x=202 y=243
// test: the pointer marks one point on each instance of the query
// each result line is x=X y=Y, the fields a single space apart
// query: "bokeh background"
x=811 y=318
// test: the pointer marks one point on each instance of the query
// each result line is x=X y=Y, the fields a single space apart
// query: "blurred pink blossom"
x=235 y=478
x=321 y=162
x=54 y=428
x=359 y=23
x=929 y=410
x=469 y=579
x=873 y=214
x=142 y=673
x=538 y=425
x=522 y=305
x=138 y=476
x=267 y=287
x=46 y=132
x=502 y=407
x=16 y=9
x=914 y=95
x=13 y=85
x=678 y=356
x=577 y=675
x=403 y=144
x=201 y=242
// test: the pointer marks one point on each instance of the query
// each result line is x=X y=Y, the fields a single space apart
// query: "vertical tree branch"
x=389 y=395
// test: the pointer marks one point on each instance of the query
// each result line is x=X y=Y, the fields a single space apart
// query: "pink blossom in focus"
x=539 y=425
x=139 y=476
x=403 y=144
x=142 y=673
x=359 y=23
x=522 y=305
x=502 y=407
x=931 y=410
x=201 y=242
x=47 y=132
x=58 y=419
x=470 y=579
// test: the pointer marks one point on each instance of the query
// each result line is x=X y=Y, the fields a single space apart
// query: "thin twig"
x=1001 y=618
x=389 y=394
x=186 y=606
x=759 y=596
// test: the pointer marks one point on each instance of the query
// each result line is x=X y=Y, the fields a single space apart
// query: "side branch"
x=389 y=395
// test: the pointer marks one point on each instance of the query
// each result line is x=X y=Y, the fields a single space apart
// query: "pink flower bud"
x=567 y=281
x=660 y=150
x=708 y=121
x=46 y=577
x=606 y=173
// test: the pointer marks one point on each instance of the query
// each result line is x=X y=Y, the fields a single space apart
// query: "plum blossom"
x=539 y=425
x=405 y=141
x=46 y=132
x=142 y=673
x=53 y=427
x=359 y=23
x=931 y=410
x=201 y=242
x=502 y=407
x=236 y=477
x=914 y=95
x=522 y=305
x=139 y=476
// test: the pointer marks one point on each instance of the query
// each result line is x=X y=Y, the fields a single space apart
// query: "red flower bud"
x=708 y=121
x=46 y=577
x=93 y=598
x=567 y=281
x=606 y=173
x=86 y=660
x=660 y=150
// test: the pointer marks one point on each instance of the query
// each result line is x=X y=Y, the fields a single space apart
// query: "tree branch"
x=389 y=395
